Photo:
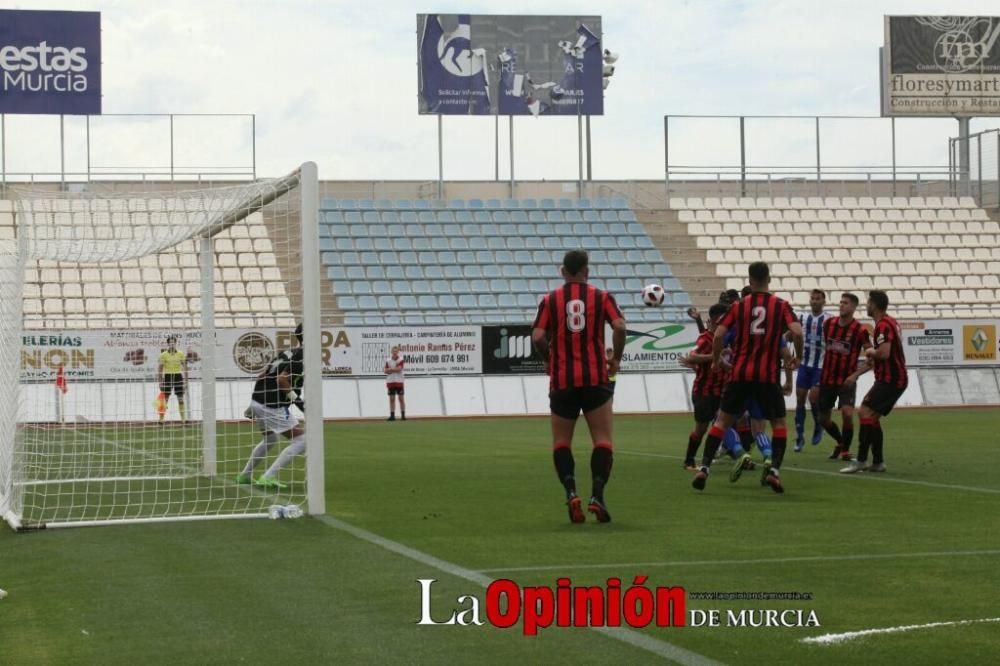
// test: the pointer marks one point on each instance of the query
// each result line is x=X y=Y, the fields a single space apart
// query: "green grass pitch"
x=915 y=546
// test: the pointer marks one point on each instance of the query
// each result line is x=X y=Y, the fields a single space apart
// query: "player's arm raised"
x=717 y=345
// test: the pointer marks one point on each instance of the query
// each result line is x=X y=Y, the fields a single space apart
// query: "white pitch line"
x=833 y=639
x=645 y=642
x=880 y=478
x=775 y=560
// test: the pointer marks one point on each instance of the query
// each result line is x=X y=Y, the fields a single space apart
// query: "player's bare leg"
x=723 y=421
x=392 y=407
x=562 y=456
x=847 y=432
x=600 y=421
x=402 y=407
x=182 y=409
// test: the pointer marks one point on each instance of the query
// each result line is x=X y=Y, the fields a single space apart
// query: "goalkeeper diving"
x=277 y=388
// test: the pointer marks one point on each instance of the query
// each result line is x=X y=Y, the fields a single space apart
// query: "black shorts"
x=395 y=390
x=569 y=403
x=173 y=384
x=706 y=407
x=830 y=395
x=769 y=398
x=882 y=398
x=611 y=387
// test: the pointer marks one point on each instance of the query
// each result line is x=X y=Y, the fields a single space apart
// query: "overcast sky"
x=336 y=82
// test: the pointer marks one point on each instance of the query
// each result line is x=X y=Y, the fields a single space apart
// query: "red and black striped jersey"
x=706 y=380
x=843 y=347
x=574 y=316
x=759 y=320
x=891 y=370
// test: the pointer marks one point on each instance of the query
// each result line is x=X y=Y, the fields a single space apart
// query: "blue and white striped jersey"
x=813 y=345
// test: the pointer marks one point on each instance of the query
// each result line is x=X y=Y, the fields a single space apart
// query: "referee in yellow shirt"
x=173 y=376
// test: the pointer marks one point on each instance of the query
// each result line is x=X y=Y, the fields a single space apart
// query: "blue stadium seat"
x=370 y=217
x=352 y=217
x=427 y=303
x=615 y=285
x=635 y=229
x=388 y=258
x=516 y=217
x=645 y=271
x=336 y=273
x=470 y=229
x=408 y=303
x=510 y=271
x=533 y=243
x=574 y=216
x=481 y=217
x=504 y=257
x=625 y=270
x=547 y=203
x=467 y=301
x=385 y=243
x=589 y=243
x=522 y=257
x=446 y=257
x=356 y=273
x=456 y=203
x=475 y=203
x=490 y=270
x=526 y=301
x=447 y=302
x=552 y=243
x=453 y=318
x=458 y=243
x=403 y=204
x=477 y=243
x=634 y=256
x=421 y=204
x=441 y=287
x=426 y=217
x=439 y=243
x=334 y=216
x=433 y=272
x=506 y=300
x=484 y=257
x=608 y=242
x=366 y=204
x=618 y=202
x=550 y=270
x=602 y=202
x=493 y=203
x=555 y=216
x=381 y=287
x=361 y=287
x=626 y=242
x=401 y=287
x=598 y=257
x=537 y=286
x=420 y=286
x=326 y=244
x=530 y=271
x=489 y=230
x=413 y=272
x=591 y=216
x=471 y=270
x=500 y=216
x=511 y=203
x=434 y=319
x=519 y=285
x=634 y=284
x=394 y=272
x=424 y=258
x=540 y=256
x=408 y=217
x=347 y=303
x=388 y=302
x=479 y=286
x=653 y=256
x=496 y=243
x=337 y=230
x=602 y=270
x=500 y=286
x=487 y=301
x=609 y=216
x=350 y=259
x=421 y=244
x=452 y=271
x=347 y=203
x=363 y=244
x=644 y=242
x=536 y=216
x=373 y=272
x=399 y=243
x=327 y=203
x=529 y=203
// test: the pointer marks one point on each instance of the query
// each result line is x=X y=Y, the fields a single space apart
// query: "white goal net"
x=135 y=329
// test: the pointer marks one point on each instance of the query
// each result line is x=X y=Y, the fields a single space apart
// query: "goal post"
x=135 y=325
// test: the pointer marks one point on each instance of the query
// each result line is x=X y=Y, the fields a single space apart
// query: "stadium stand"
x=475 y=261
x=936 y=256
x=159 y=290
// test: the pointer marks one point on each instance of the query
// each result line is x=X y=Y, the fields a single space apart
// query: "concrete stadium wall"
x=363 y=398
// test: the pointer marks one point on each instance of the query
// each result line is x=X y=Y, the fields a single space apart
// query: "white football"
x=652 y=295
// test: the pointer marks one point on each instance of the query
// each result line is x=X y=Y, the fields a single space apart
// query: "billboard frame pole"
x=496 y=148
x=666 y=159
x=743 y=157
x=590 y=174
x=819 y=168
x=440 y=157
x=62 y=152
x=892 y=126
x=510 y=132
x=963 y=156
x=579 y=150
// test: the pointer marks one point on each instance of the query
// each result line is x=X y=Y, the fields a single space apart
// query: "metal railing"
x=819 y=155
x=981 y=178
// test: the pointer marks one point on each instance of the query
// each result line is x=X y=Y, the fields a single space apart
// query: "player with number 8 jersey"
x=568 y=334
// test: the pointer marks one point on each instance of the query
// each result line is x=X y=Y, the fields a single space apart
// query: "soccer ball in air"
x=652 y=295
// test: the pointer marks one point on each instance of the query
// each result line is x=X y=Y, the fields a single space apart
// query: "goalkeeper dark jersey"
x=266 y=391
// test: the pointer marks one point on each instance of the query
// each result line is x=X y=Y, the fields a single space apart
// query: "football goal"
x=135 y=323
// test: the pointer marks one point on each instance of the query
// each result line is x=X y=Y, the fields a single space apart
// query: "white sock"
x=294 y=448
x=259 y=451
